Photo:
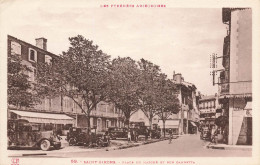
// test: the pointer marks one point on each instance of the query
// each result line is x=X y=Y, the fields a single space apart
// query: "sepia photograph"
x=128 y=82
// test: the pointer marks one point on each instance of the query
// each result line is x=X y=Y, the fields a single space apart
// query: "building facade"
x=209 y=109
x=187 y=119
x=189 y=113
x=59 y=112
x=235 y=81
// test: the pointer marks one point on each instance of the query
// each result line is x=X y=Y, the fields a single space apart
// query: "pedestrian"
x=129 y=136
x=170 y=136
x=213 y=131
x=136 y=135
x=134 y=132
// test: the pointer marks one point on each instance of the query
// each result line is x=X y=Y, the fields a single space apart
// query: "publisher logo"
x=15 y=161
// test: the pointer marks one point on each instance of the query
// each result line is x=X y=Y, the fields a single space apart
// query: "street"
x=184 y=146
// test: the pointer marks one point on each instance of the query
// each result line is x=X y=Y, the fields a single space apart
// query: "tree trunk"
x=127 y=122
x=127 y=118
x=151 y=122
x=88 y=123
x=164 y=128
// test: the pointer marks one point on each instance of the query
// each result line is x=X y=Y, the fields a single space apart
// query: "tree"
x=147 y=88
x=20 y=89
x=124 y=78
x=81 y=74
x=166 y=102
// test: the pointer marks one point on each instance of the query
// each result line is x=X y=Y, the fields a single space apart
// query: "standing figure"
x=170 y=138
x=129 y=136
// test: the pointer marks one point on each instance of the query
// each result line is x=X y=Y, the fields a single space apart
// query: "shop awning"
x=245 y=95
x=248 y=106
x=37 y=117
x=193 y=124
x=169 y=124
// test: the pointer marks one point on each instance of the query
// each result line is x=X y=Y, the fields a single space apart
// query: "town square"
x=129 y=82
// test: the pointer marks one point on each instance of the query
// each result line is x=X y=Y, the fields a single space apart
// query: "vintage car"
x=115 y=132
x=205 y=133
x=155 y=134
x=22 y=134
x=83 y=136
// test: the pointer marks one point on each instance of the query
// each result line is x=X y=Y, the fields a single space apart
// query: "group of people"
x=132 y=135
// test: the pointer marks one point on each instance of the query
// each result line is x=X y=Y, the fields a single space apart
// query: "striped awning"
x=169 y=123
x=193 y=124
x=248 y=106
x=37 y=117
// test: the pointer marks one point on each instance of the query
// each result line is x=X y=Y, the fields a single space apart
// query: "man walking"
x=170 y=136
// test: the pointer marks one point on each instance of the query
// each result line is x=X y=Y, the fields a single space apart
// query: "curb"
x=136 y=145
x=209 y=146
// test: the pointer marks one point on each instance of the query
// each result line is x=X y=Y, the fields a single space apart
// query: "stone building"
x=188 y=115
x=209 y=109
x=59 y=112
x=235 y=81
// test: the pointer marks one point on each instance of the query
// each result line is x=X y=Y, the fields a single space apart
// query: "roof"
x=210 y=97
x=33 y=46
x=186 y=84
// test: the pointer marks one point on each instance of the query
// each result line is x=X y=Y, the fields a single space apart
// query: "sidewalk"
x=115 y=145
x=125 y=144
x=229 y=147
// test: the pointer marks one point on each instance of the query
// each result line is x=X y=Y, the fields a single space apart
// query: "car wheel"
x=100 y=143
x=72 y=142
x=45 y=145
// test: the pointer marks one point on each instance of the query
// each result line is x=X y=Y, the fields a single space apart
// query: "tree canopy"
x=20 y=90
x=87 y=76
x=80 y=73
x=124 y=81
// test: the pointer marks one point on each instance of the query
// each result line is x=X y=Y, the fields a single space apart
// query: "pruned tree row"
x=87 y=75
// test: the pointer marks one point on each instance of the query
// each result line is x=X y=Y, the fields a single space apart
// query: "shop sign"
x=248 y=113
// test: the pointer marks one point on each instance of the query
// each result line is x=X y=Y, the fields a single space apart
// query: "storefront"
x=170 y=124
x=238 y=109
x=46 y=121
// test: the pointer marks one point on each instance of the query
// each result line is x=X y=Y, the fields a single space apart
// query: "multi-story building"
x=209 y=109
x=60 y=112
x=235 y=81
x=184 y=122
x=189 y=114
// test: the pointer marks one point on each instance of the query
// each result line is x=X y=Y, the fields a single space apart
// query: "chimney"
x=41 y=43
x=177 y=78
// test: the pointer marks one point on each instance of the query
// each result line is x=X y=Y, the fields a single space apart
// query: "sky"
x=176 y=39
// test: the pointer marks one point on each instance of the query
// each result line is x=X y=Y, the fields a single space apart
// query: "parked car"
x=143 y=130
x=103 y=140
x=78 y=136
x=205 y=133
x=82 y=136
x=115 y=132
x=22 y=134
x=155 y=134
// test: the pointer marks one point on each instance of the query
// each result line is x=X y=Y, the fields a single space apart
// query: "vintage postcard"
x=129 y=82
